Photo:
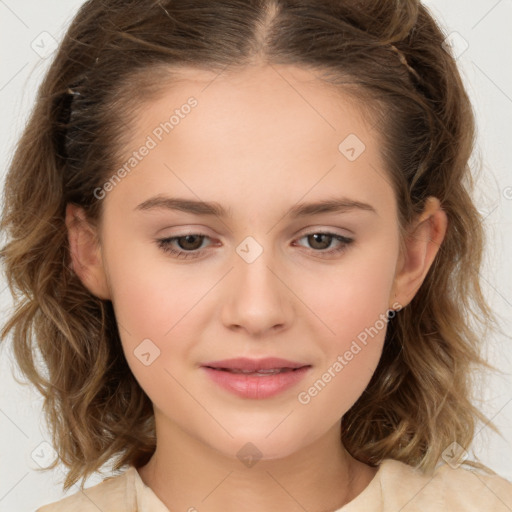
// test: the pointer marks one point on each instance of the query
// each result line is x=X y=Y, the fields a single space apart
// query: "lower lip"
x=255 y=386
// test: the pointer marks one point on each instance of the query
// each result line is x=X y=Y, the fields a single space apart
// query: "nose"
x=256 y=297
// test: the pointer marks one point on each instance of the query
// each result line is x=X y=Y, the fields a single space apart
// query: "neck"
x=186 y=474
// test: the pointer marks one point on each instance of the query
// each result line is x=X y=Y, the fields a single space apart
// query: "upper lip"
x=243 y=363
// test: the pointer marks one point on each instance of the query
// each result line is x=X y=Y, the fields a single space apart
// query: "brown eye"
x=320 y=241
x=186 y=246
x=191 y=242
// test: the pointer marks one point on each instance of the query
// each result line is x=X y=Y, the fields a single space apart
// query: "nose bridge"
x=256 y=298
x=257 y=276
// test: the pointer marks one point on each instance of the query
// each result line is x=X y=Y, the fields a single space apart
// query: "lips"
x=256 y=378
x=271 y=371
x=266 y=366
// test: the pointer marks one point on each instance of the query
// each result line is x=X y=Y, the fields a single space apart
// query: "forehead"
x=279 y=92
x=252 y=133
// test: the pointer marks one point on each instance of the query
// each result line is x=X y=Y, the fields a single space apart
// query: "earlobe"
x=85 y=252
x=420 y=249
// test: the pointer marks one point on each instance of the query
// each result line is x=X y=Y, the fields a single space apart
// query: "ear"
x=85 y=249
x=420 y=247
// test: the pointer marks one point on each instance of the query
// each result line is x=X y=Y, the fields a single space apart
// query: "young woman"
x=245 y=248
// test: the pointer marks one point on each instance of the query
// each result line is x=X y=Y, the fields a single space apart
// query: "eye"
x=187 y=243
x=320 y=241
x=190 y=246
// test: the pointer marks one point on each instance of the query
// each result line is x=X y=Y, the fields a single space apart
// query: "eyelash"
x=165 y=245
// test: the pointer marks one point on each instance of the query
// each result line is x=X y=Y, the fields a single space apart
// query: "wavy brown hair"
x=118 y=54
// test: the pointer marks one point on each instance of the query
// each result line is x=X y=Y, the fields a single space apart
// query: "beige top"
x=395 y=487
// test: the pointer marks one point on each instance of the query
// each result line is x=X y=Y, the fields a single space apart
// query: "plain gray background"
x=480 y=33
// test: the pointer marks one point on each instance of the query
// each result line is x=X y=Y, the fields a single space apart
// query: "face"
x=266 y=277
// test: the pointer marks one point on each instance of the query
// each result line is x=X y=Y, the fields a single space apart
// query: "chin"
x=262 y=446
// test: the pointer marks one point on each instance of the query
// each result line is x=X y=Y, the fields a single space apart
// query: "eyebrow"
x=335 y=205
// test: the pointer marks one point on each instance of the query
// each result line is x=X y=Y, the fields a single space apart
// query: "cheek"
x=350 y=307
x=151 y=296
x=157 y=308
x=351 y=298
x=348 y=362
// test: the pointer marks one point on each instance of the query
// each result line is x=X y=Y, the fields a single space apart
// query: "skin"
x=259 y=142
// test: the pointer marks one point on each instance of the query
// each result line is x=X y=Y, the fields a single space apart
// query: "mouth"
x=262 y=373
x=264 y=366
x=256 y=378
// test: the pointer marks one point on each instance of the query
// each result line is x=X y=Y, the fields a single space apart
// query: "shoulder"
x=115 y=494
x=408 y=489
